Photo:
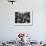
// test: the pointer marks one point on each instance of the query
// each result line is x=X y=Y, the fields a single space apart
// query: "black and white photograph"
x=23 y=18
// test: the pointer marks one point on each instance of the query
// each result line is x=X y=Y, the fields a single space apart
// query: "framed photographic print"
x=23 y=18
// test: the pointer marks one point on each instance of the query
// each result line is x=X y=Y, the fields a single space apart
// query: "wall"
x=9 y=31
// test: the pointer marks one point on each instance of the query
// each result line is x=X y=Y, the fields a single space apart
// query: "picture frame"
x=21 y=15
